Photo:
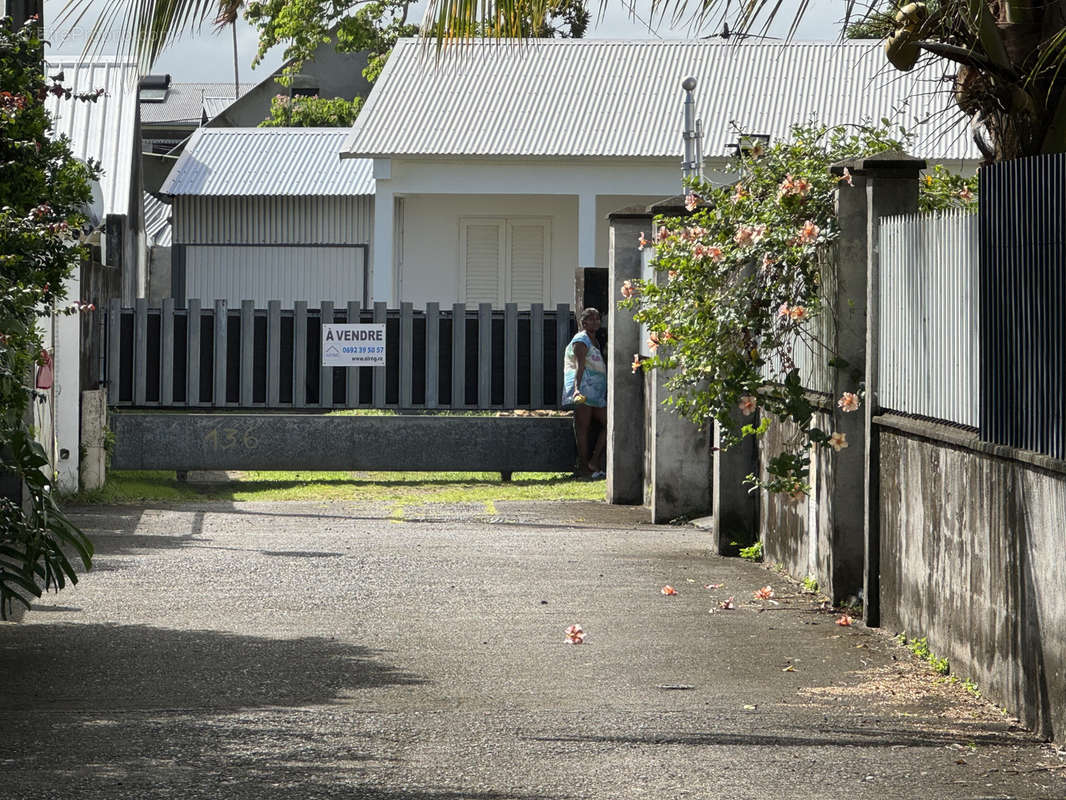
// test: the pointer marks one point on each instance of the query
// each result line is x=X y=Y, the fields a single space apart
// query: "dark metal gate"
x=246 y=379
x=1023 y=293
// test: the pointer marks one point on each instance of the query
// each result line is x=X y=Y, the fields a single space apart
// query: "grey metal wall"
x=930 y=355
x=1023 y=293
x=273 y=220
x=262 y=273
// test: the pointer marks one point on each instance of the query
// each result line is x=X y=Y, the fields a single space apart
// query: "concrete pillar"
x=735 y=511
x=680 y=460
x=66 y=392
x=586 y=230
x=891 y=187
x=625 y=393
x=93 y=439
x=843 y=538
x=680 y=464
x=381 y=246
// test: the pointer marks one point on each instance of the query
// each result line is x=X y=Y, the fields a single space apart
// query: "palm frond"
x=142 y=28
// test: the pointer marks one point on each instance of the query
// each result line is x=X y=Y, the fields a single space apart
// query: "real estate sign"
x=353 y=345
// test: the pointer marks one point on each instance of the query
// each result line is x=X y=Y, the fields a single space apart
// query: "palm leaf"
x=143 y=27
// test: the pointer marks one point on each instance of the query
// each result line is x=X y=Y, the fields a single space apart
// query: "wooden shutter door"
x=482 y=253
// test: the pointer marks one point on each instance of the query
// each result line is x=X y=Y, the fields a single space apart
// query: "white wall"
x=575 y=195
x=430 y=254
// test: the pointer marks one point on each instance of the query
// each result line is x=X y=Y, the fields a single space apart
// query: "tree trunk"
x=236 y=75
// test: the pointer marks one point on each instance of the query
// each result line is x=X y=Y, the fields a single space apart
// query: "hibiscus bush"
x=741 y=284
x=42 y=191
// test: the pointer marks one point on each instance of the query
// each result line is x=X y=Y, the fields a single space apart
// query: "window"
x=504 y=260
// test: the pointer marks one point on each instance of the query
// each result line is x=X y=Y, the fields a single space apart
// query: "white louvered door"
x=505 y=260
x=528 y=268
x=482 y=248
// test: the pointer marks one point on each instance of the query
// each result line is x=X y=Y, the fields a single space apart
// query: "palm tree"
x=1006 y=57
x=228 y=14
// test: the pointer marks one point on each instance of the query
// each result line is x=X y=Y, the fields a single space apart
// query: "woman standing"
x=585 y=390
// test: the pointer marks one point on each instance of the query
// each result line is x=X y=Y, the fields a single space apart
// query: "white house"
x=269 y=214
x=496 y=164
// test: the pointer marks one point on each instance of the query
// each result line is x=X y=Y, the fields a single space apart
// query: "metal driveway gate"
x=231 y=388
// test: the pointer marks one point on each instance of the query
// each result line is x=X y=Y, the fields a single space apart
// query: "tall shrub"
x=42 y=191
x=743 y=281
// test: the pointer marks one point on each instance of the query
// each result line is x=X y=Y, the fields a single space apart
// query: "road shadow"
x=119 y=668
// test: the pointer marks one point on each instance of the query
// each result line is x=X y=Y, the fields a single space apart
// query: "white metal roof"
x=186 y=103
x=157 y=221
x=103 y=130
x=623 y=99
x=268 y=161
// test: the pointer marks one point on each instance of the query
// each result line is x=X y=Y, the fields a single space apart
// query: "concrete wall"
x=972 y=542
x=430 y=255
x=335 y=74
x=796 y=534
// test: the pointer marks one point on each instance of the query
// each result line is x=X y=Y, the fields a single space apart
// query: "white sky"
x=209 y=57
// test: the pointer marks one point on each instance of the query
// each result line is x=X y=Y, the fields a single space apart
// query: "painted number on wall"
x=228 y=438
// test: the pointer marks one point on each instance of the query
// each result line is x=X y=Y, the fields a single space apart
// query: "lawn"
x=385 y=487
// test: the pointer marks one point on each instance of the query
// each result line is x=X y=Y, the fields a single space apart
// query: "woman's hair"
x=588 y=312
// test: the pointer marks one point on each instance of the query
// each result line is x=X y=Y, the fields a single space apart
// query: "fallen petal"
x=668 y=590
x=845 y=620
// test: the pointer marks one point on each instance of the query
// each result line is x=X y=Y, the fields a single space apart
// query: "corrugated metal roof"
x=268 y=161
x=186 y=102
x=599 y=98
x=102 y=130
x=157 y=227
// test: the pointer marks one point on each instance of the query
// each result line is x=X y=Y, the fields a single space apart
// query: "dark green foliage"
x=42 y=189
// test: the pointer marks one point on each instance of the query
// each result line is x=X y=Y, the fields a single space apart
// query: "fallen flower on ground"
x=728 y=604
x=845 y=620
x=668 y=590
x=713 y=585
x=765 y=593
x=575 y=635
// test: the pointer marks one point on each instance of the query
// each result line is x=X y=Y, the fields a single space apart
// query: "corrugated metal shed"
x=268 y=161
x=623 y=99
x=103 y=130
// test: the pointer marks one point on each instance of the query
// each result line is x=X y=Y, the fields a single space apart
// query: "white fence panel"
x=929 y=317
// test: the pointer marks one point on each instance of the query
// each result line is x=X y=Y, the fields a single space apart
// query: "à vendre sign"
x=353 y=345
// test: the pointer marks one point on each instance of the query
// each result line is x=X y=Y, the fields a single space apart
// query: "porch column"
x=586 y=230
x=381 y=246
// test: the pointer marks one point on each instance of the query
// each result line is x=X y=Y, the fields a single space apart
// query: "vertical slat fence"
x=449 y=346
x=929 y=359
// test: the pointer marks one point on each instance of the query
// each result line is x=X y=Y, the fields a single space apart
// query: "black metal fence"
x=220 y=357
x=1023 y=295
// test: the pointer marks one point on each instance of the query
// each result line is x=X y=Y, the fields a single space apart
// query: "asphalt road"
x=337 y=651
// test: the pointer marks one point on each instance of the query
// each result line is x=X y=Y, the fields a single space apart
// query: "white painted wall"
x=430 y=254
x=423 y=263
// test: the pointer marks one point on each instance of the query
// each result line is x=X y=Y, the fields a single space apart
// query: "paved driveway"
x=337 y=650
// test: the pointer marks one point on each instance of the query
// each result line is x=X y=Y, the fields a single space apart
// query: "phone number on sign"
x=364 y=350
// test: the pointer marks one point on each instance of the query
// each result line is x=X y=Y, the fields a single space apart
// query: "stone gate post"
x=884 y=185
